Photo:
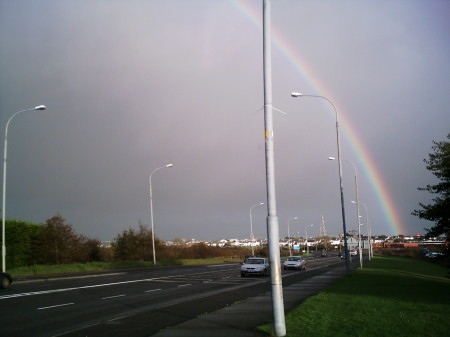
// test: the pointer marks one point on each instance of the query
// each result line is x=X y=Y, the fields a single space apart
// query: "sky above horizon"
x=131 y=86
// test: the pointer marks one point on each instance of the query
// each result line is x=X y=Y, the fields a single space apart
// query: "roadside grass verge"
x=389 y=296
x=102 y=266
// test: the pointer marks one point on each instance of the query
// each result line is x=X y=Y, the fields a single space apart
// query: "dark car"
x=5 y=280
x=323 y=254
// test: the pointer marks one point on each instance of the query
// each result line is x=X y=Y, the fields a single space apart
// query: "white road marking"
x=94 y=286
x=105 y=298
x=184 y=285
x=55 y=306
x=149 y=291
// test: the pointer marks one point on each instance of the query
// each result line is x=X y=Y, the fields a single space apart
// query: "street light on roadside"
x=297 y=94
x=369 y=229
x=289 y=234
x=306 y=239
x=151 y=210
x=357 y=209
x=39 y=107
x=273 y=235
x=251 y=226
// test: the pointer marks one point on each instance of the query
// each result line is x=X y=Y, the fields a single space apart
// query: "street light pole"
x=39 y=107
x=151 y=210
x=251 y=226
x=306 y=240
x=297 y=94
x=357 y=209
x=289 y=234
x=272 y=218
x=369 y=229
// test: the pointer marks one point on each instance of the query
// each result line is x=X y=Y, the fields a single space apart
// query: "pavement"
x=241 y=319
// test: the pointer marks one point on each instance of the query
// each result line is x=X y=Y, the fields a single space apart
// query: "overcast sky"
x=133 y=85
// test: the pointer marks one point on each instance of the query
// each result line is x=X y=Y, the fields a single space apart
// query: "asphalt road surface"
x=132 y=302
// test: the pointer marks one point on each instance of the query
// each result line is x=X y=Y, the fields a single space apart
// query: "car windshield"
x=294 y=258
x=255 y=261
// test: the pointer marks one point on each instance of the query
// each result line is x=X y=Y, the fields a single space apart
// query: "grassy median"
x=99 y=266
x=389 y=296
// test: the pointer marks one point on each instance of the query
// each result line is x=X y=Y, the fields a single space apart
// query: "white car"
x=353 y=252
x=295 y=262
x=255 y=266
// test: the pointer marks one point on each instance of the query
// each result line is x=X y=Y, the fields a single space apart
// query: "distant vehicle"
x=425 y=251
x=295 y=262
x=353 y=252
x=323 y=254
x=5 y=280
x=341 y=255
x=255 y=266
x=434 y=255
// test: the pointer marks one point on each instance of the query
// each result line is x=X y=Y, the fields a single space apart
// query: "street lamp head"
x=169 y=165
x=261 y=203
x=353 y=202
x=296 y=94
x=331 y=158
x=40 y=107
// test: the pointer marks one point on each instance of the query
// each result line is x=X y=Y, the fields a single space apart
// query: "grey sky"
x=133 y=85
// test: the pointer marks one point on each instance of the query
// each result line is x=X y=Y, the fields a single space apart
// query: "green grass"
x=390 y=296
x=99 y=266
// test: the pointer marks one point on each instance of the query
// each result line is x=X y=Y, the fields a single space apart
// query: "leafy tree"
x=438 y=163
x=135 y=245
x=89 y=250
x=20 y=239
x=58 y=242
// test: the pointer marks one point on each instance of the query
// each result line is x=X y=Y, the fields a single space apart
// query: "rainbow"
x=349 y=132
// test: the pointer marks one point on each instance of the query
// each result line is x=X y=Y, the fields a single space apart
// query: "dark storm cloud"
x=131 y=86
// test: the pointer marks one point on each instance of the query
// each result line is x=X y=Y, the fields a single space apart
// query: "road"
x=136 y=302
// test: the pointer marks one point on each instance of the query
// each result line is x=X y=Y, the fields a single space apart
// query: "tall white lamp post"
x=357 y=209
x=151 y=210
x=369 y=229
x=297 y=94
x=252 y=238
x=306 y=239
x=273 y=236
x=289 y=234
x=39 y=107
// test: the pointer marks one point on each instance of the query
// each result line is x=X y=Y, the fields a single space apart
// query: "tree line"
x=56 y=242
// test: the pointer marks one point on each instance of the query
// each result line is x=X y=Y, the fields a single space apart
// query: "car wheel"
x=242 y=275
x=5 y=282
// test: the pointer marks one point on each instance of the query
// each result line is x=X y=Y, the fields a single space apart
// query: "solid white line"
x=95 y=286
x=149 y=291
x=105 y=298
x=55 y=306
